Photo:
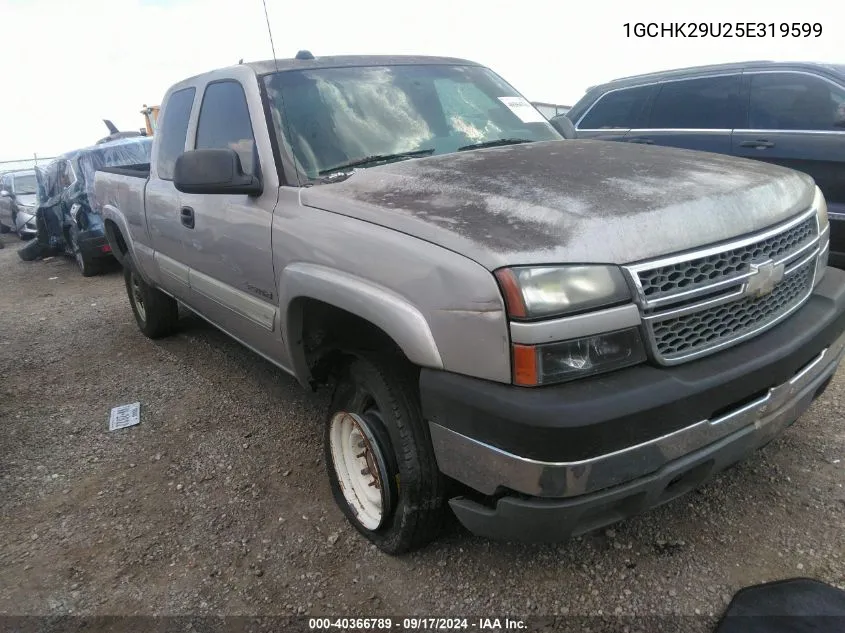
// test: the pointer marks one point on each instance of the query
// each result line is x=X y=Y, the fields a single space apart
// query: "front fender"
x=392 y=313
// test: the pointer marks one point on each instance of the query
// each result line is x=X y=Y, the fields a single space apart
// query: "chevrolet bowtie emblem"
x=764 y=277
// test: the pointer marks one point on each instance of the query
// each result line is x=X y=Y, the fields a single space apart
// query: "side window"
x=65 y=175
x=224 y=122
x=172 y=131
x=709 y=103
x=618 y=109
x=794 y=101
x=6 y=183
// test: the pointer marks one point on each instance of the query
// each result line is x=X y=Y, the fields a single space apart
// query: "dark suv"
x=792 y=114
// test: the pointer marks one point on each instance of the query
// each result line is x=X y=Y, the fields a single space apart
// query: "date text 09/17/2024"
x=416 y=624
x=722 y=29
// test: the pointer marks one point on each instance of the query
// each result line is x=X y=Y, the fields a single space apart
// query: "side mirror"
x=564 y=126
x=214 y=171
x=5 y=194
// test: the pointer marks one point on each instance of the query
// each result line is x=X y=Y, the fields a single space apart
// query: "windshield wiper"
x=378 y=158
x=495 y=143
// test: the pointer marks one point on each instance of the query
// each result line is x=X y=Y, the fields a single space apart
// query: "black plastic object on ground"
x=799 y=605
x=32 y=251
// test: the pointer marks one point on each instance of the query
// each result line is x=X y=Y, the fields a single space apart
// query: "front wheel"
x=155 y=313
x=382 y=469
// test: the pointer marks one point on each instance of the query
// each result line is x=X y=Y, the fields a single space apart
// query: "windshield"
x=24 y=184
x=337 y=116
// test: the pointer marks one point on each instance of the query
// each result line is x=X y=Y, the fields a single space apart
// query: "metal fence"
x=24 y=163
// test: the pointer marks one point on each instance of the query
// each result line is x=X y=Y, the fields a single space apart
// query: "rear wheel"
x=155 y=313
x=381 y=464
x=87 y=265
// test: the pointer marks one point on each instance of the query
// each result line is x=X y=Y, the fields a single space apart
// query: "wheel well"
x=328 y=335
x=115 y=238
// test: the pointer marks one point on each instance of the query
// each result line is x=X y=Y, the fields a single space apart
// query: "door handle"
x=187 y=216
x=759 y=144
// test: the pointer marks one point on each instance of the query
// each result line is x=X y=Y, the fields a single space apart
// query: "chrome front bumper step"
x=487 y=469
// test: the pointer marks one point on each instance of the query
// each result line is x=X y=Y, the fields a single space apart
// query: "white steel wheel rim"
x=138 y=298
x=358 y=463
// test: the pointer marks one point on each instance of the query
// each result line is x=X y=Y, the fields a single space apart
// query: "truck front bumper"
x=555 y=462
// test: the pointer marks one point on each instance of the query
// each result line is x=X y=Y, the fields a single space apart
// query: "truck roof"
x=339 y=61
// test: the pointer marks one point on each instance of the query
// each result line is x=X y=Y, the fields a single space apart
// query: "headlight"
x=533 y=292
x=558 y=362
x=820 y=204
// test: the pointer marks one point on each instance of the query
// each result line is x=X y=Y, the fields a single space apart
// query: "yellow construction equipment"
x=150 y=118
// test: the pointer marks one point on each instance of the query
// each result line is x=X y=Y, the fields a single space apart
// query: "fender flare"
x=387 y=310
x=110 y=213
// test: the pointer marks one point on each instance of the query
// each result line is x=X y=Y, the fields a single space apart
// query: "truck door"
x=228 y=245
x=162 y=201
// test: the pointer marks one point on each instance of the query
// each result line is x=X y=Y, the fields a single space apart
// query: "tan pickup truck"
x=545 y=335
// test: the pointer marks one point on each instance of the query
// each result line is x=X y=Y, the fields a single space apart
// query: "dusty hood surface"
x=569 y=201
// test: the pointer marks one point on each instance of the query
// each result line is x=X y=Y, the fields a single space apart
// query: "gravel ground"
x=217 y=503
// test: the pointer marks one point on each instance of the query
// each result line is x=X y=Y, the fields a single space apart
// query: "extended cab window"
x=617 y=109
x=709 y=103
x=172 y=130
x=794 y=101
x=224 y=122
x=331 y=117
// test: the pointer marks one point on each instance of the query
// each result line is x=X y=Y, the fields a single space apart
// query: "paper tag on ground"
x=526 y=112
x=125 y=415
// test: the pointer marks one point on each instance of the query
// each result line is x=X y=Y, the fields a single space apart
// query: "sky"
x=69 y=65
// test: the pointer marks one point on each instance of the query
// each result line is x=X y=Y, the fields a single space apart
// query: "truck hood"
x=569 y=201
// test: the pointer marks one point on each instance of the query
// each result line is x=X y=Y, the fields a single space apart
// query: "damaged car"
x=66 y=220
x=18 y=202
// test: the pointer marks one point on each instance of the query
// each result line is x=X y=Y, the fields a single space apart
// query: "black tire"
x=419 y=502
x=86 y=264
x=32 y=251
x=4 y=229
x=155 y=313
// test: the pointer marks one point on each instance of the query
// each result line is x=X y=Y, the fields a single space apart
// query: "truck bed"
x=140 y=170
x=122 y=190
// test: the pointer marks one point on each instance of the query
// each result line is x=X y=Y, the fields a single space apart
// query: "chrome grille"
x=697 y=303
x=702 y=271
x=692 y=332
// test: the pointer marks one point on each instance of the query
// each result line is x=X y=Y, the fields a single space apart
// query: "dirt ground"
x=218 y=504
